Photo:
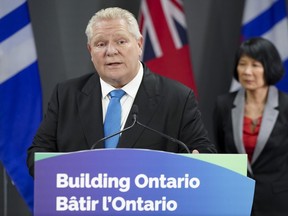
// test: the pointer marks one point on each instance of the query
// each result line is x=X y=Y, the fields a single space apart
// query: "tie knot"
x=118 y=93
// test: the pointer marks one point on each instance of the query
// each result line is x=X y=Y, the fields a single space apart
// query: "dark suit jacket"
x=269 y=165
x=74 y=119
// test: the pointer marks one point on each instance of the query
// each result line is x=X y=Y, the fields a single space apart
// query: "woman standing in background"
x=254 y=121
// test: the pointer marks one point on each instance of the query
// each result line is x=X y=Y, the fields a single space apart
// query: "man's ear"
x=140 y=44
x=89 y=47
x=89 y=50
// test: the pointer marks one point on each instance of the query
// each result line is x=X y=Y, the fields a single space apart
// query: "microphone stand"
x=135 y=112
x=166 y=136
x=121 y=131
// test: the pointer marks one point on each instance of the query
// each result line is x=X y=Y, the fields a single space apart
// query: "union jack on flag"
x=166 y=50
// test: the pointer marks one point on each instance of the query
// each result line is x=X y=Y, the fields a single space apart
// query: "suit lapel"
x=90 y=111
x=268 y=121
x=148 y=98
x=237 y=123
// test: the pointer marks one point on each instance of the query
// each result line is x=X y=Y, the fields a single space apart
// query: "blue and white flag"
x=268 y=19
x=20 y=93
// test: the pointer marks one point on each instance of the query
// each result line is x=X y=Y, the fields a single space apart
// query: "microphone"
x=135 y=112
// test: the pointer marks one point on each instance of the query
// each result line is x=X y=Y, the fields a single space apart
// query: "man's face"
x=115 y=52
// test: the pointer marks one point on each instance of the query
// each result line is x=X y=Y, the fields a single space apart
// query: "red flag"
x=166 y=51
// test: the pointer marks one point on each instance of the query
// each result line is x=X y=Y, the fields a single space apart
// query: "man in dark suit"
x=78 y=107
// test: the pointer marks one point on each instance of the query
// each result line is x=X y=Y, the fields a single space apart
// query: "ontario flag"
x=166 y=51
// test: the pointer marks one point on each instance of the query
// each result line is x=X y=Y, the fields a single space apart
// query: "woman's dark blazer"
x=269 y=165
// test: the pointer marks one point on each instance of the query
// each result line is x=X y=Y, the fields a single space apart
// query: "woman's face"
x=250 y=73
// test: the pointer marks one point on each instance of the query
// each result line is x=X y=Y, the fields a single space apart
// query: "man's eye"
x=121 y=42
x=100 y=45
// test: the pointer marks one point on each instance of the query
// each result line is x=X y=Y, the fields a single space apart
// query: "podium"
x=138 y=182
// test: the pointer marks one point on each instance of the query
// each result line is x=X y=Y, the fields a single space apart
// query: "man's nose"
x=111 y=49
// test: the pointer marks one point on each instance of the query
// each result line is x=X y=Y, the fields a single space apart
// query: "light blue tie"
x=113 y=118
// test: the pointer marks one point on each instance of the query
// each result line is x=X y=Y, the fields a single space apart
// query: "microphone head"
x=134 y=111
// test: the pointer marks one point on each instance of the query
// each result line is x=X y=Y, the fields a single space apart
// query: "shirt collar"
x=130 y=88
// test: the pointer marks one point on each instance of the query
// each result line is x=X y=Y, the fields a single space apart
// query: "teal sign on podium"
x=141 y=182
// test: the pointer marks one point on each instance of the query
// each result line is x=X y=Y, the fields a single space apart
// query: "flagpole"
x=5 y=194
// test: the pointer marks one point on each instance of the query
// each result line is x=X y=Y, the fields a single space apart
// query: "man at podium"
x=82 y=111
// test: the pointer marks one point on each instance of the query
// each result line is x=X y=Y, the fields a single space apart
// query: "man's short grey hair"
x=114 y=13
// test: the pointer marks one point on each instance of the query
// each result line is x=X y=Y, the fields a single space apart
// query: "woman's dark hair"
x=264 y=51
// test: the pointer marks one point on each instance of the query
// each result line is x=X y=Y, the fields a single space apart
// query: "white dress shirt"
x=127 y=100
